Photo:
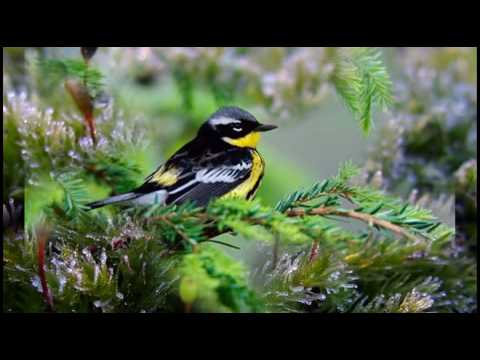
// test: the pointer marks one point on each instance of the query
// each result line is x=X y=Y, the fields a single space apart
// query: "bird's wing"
x=207 y=177
x=210 y=182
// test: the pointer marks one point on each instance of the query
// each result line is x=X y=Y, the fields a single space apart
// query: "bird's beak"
x=264 y=127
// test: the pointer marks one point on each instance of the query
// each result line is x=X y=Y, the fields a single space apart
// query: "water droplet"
x=62 y=280
x=96 y=274
x=74 y=155
x=103 y=258
x=101 y=304
x=36 y=283
x=88 y=255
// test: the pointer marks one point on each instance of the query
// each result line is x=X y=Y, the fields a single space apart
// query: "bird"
x=220 y=162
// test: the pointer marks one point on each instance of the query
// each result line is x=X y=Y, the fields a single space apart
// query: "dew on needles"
x=403 y=255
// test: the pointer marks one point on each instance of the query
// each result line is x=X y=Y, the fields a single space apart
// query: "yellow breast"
x=249 y=187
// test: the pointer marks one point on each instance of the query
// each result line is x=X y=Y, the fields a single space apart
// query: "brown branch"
x=84 y=102
x=369 y=219
x=212 y=231
x=42 y=238
x=313 y=251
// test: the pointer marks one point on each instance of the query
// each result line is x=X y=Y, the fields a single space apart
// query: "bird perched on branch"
x=221 y=161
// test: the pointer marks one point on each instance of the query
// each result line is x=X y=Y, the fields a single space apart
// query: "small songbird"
x=221 y=161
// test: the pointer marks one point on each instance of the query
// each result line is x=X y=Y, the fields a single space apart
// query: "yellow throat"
x=251 y=140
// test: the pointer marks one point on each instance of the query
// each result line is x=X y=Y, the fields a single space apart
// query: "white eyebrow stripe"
x=223 y=120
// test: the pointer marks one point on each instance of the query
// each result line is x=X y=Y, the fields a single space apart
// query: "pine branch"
x=362 y=81
x=81 y=81
x=369 y=219
x=369 y=202
x=335 y=186
x=129 y=259
x=75 y=194
x=59 y=71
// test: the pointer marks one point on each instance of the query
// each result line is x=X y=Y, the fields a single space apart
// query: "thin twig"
x=84 y=102
x=369 y=219
x=184 y=236
x=224 y=243
x=209 y=231
x=313 y=251
x=42 y=239
x=322 y=211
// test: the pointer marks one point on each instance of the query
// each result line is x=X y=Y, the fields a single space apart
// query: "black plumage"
x=199 y=156
x=207 y=167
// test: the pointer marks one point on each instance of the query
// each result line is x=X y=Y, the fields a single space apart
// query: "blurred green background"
x=169 y=92
x=307 y=147
x=152 y=100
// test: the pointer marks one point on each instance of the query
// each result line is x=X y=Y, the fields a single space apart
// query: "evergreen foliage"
x=361 y=79
x=56 y=71
x=429 y=143
x=337 y=246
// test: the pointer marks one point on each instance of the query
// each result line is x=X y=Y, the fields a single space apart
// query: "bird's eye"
x=237 y=129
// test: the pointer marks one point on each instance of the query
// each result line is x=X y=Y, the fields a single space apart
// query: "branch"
x=225 y=244
x=369 y=219
x=182 y=234
x=42 y=238
x=83 y=100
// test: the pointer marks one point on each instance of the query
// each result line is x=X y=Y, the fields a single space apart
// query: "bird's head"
x=234 y=126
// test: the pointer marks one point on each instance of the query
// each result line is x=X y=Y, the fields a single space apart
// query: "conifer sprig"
x=174 y=258
x=361 y=79
x=60 y=70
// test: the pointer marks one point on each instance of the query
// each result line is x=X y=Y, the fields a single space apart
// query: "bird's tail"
x=112 y=200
